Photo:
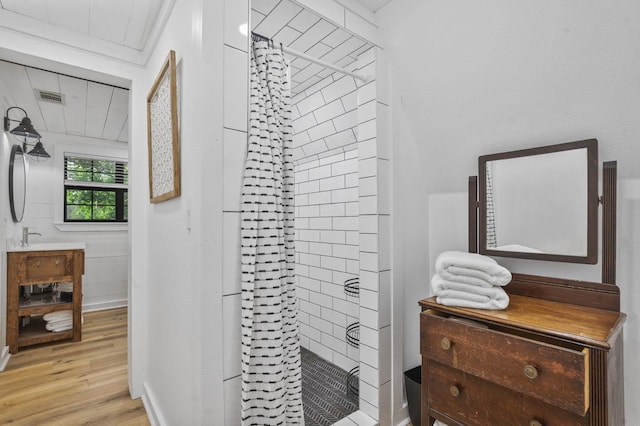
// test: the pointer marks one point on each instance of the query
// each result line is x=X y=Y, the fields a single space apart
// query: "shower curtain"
x=271 y=373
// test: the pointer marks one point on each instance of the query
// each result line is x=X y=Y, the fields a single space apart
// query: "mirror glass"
x=540 y=203
x=17 y=183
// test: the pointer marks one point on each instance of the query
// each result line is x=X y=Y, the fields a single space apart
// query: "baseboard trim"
x=103 y=306
x=151 y=407
x=4 y=357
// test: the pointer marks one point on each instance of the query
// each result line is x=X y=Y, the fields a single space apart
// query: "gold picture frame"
x=163 y=135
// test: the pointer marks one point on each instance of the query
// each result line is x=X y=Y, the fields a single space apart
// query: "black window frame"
x=119 y=188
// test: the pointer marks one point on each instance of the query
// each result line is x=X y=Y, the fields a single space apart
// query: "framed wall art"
x=163 y=134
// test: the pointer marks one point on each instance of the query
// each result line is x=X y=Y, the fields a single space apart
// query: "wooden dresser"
x=539 y=362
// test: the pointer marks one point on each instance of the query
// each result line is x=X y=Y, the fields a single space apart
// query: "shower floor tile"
x=324 y=391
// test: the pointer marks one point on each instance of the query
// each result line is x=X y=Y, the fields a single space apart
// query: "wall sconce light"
x=26 y=130
x=38 y=152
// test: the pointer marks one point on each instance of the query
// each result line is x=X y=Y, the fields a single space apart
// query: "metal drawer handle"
x=454 y=391
x=37 y=264
x=445 y=343
x=535 y=423
x=57 y=262
x=530 y=372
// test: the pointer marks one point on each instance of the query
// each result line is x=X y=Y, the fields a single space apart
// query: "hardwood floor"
x=67 y=383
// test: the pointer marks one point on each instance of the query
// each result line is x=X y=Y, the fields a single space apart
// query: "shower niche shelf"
x=352 y=287
x=353 y=334
x=353 y=381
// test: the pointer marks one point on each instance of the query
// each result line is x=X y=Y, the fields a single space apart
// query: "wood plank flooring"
x=65 y=383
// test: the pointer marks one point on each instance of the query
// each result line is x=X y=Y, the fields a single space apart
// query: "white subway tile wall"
x=327 y=250
x=325 y=120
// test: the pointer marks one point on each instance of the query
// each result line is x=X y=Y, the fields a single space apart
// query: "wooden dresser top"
x=585 y=325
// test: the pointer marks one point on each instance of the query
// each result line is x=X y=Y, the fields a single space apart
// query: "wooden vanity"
x=538 y=362
x=36 y=266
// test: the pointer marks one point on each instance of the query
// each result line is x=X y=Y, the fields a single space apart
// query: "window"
x=95 y=190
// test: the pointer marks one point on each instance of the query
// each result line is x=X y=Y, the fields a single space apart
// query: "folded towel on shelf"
x=471 y=268
x=58 y=315
x=60 y=322
x=59 y=326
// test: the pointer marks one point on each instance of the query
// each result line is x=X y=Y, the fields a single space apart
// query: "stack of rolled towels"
x=470 y=280
x=59 y=320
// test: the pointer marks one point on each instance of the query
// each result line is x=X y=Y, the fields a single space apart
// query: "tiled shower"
x=342 y=206
x=327 y=231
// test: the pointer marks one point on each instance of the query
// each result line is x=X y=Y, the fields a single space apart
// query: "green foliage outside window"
x=88 y=195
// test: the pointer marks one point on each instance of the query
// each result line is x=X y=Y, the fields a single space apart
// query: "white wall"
x=104 y=284
x=182 y=291
x=475 y=78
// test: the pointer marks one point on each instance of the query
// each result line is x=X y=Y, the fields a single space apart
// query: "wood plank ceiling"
x=124 y=22
x=88 y=108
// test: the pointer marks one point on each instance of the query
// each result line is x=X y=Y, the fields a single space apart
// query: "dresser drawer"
x=555 y=375
x=47 y=267
x=474 y=401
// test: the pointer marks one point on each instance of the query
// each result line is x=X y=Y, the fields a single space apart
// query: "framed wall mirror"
x=540 y=203
x=17 y=183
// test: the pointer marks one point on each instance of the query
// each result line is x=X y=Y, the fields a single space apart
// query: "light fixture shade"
x=39 y=153
x=26 y=129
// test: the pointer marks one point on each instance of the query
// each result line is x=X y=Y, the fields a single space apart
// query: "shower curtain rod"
x=259 y=37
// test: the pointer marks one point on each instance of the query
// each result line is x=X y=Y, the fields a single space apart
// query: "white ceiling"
x=90 y=109
x=124 y=22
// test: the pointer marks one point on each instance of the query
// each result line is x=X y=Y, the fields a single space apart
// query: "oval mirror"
x=17 y=183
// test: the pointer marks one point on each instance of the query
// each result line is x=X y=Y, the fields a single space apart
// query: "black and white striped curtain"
x=271 y=373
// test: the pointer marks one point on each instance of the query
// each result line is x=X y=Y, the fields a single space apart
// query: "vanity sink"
x=48 y=246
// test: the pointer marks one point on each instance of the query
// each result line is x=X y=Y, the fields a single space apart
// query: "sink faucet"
x=25 y=235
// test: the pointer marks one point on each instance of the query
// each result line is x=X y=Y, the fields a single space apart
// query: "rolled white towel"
x=58 y=315
x=472 y=268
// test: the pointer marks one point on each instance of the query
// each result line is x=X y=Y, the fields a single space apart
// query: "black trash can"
x=412 y=382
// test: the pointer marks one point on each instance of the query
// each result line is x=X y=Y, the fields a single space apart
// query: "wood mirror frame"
x=608 y=227
x=542 y=188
